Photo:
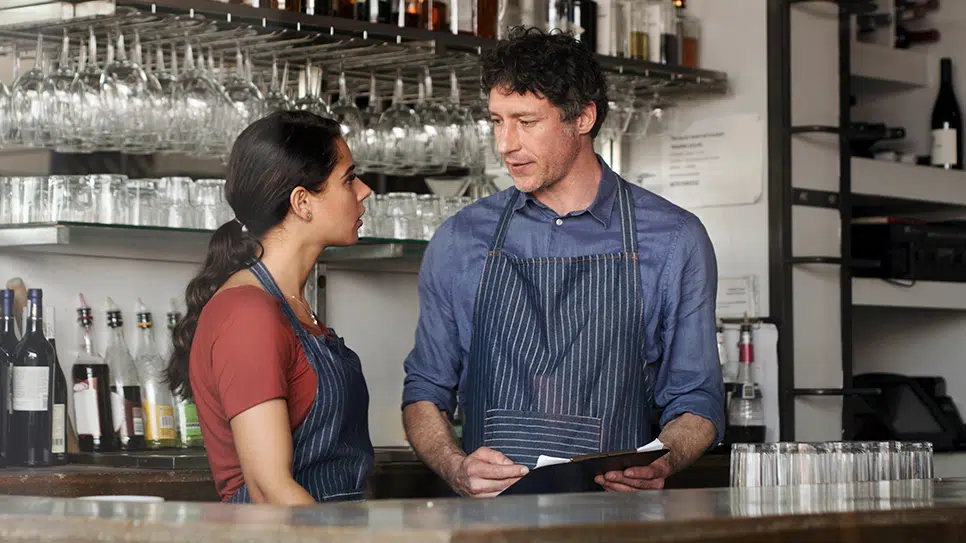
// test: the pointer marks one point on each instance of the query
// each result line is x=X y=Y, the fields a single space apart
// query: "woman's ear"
x=299 y=201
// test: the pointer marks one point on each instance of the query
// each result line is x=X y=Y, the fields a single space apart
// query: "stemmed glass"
x=461 y=131
x=398 y=133
x=199 y=98
x=246 y=101
x=6 y=111
x=276 y=99
x=28 y=103
x=347 y=114
x=169 y=102
x=124 y=89
x=480 y=113
x=370 y=155
x=310 y=83
x=432 y=134
x=61 y=104
x=93 y=128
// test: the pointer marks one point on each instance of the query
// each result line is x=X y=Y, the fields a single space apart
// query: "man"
x=561 y=309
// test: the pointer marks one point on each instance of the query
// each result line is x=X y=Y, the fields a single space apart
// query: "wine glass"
x=347 y=114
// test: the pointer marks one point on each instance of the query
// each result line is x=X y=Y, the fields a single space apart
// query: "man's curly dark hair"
x=553 y=65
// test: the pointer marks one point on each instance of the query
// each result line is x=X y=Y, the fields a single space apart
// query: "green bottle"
x=185 y=413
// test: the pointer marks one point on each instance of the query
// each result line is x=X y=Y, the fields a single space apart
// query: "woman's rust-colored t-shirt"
x=245 y=353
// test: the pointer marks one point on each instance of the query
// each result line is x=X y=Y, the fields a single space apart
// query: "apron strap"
x=503 y=225
x=628 y=218
x=268 y=283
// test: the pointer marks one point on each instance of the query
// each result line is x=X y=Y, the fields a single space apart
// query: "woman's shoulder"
x=242 y=308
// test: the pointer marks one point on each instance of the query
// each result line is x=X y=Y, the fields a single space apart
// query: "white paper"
x=737 y=296
x=716 y=161
x=544 y=461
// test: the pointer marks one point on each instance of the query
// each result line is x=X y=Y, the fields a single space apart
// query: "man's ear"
x=587 y=119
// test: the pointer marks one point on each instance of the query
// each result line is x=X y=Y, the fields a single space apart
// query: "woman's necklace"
x=307 y=310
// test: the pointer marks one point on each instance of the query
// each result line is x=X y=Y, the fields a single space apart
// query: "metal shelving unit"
x=782 y=196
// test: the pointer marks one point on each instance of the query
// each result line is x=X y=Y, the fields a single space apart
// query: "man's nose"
x=507 y=139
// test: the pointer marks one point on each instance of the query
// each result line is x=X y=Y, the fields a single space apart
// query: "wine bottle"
x=32 y=394
x=125 y=385
x=947 y=122
x=59 y=422
x=8 y=344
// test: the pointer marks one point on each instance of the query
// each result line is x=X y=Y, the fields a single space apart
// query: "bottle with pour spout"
x=185 y=411
x=156 y=399
x=91 y=385
x=125 y=385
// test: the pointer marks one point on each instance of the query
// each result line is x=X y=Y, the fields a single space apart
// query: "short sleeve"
x=250 y=355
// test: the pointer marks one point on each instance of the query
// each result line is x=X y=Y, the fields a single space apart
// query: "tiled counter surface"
x=883 y=513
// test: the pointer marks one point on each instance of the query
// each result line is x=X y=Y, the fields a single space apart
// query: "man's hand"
x=649 y=477
x=483 y=474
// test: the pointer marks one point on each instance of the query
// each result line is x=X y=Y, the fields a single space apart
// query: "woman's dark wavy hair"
x=269 y=159
x=552 y=65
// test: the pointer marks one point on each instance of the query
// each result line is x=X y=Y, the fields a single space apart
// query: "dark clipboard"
x=578 y=474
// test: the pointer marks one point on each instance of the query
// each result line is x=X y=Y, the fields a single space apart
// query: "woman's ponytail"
x=230 y=250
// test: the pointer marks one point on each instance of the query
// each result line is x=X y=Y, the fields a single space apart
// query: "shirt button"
x=559 y=222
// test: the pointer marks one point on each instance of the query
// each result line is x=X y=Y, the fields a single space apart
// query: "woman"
x=282 y=401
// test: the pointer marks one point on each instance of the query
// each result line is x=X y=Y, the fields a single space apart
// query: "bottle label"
x=31 y=388
x=128 y=416
x=59 y=443
x=86 y=414
x=944 y=147
x=192 y=426
x=159 y=422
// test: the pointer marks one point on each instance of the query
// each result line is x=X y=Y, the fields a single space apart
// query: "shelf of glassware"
x=52 y=16
x=177 y=244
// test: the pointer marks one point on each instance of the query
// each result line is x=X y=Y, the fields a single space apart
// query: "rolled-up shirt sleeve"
x=432 y=367
x=689 y=377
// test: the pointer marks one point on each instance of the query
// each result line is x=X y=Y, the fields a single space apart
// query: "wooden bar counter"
x=873 y=512
x=396 y=474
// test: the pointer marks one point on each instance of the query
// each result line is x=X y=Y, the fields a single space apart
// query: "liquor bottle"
x=584 y=18
x=59 y=421
x=185 y=411
x=32 y=391
x=8 y=344
x=125 y=385
x=863 y=137
x=156 y=399
x=746 y=416
x=486 y=18
x=689 y=36
x=639 y=40
x=947 y=122
x=434 y=15
x=93 y=413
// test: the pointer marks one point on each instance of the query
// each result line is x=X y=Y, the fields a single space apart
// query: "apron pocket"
x=525 y=435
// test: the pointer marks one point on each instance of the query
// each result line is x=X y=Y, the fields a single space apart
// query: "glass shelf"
x=176 y=244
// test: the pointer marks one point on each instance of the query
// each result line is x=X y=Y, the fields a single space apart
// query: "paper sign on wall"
x=737 y=296
x=714 y=162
